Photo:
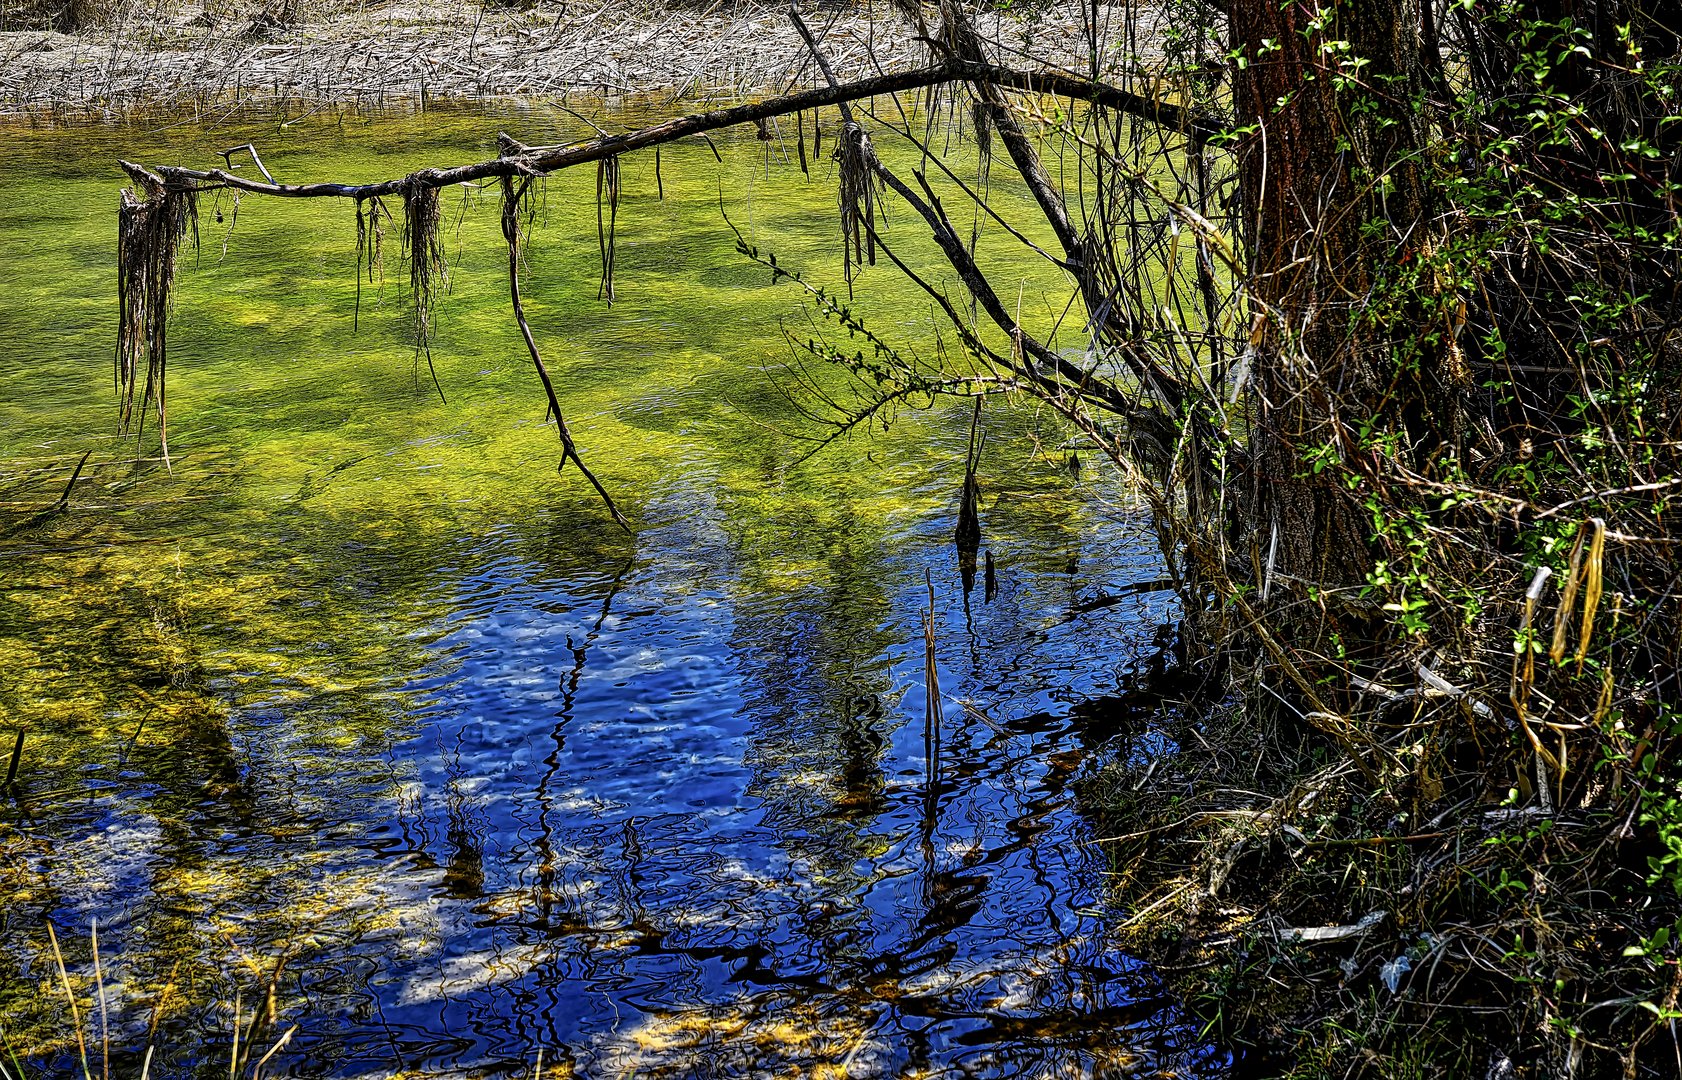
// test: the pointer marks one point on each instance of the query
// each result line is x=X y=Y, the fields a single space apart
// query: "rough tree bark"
x=1332 y=188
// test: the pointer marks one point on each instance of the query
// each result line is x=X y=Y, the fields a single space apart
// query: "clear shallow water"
x=364 y=694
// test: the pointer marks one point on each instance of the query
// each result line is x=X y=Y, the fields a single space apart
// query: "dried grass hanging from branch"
x=429 y=273
x=607 y=219
x=859 y=190
x=371 y=219
x=423 y=246
x=149 y=232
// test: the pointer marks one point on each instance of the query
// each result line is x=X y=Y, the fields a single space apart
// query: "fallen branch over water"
x=162 y=208
x=548 y=159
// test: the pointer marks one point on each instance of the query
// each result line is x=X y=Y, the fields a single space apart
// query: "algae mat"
x=363 y=720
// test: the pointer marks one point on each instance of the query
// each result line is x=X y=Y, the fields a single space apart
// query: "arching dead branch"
x=151 y=253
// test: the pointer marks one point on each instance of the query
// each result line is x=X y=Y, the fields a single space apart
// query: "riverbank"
x=185 y=55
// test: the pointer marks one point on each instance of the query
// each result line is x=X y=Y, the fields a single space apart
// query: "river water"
x=362 y=720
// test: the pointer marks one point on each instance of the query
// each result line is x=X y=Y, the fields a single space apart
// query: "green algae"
x=220 y=647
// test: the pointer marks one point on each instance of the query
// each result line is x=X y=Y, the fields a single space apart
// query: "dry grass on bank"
x=128 y=55
x=1324 y=929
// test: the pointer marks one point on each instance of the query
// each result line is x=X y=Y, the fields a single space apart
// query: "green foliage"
x=1494 y=394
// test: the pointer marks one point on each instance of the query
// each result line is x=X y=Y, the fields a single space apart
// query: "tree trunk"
x=1332 y=192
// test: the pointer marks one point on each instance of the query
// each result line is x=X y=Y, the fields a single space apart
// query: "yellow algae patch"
x=761 y=1039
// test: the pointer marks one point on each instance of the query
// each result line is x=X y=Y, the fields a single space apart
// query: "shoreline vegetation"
x=222 y=56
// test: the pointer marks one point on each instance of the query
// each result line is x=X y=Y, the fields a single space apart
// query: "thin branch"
x=511 y=197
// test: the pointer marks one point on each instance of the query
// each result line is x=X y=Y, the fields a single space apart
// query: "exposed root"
x=429 y=273
x=423 y=247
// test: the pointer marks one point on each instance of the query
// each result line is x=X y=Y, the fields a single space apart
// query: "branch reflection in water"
x=496 y=777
